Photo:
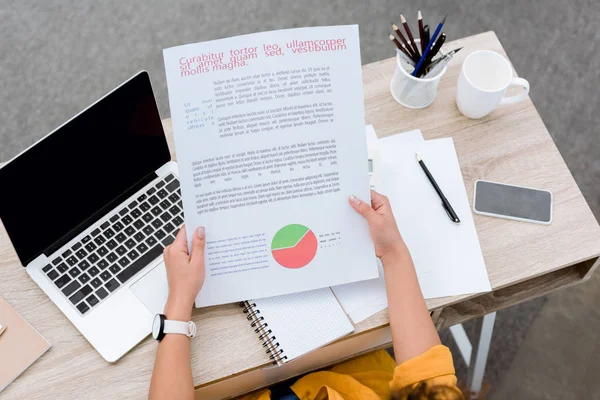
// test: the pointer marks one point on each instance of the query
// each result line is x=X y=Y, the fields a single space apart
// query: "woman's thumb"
x=362 y=208
x=198 y=244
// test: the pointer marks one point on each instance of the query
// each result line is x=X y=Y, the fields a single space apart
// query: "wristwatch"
x=161 y=326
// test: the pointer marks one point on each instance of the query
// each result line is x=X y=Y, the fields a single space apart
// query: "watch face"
x=156 y=326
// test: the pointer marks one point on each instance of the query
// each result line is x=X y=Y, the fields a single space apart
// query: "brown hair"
x=424 y=391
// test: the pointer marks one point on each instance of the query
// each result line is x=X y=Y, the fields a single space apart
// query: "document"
x=270 y=139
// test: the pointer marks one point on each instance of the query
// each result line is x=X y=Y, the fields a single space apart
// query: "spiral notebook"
x=295 y=324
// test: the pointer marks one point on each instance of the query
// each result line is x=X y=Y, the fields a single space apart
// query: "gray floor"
x=560 y=358
x=58 y=56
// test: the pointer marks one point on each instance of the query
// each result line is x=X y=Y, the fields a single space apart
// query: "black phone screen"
x=513 y=201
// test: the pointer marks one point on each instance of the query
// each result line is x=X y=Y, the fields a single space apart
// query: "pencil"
x=402 y=48
x=410 y=36
x=401 y=36
x=396 y=42
x=415 y=57
x=421 y=33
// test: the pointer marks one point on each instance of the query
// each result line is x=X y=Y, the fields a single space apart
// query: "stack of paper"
x=447 y=256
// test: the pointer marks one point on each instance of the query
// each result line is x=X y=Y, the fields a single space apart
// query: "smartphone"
x=512 y=202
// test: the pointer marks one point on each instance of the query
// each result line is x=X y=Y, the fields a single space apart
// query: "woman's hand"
x=172 y=375
x=413 y=332
x=382 y=224
x=185 y=273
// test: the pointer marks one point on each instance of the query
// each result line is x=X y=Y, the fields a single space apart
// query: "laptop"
x=89 y=210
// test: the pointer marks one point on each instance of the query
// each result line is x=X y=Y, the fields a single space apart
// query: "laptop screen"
x=73 y=173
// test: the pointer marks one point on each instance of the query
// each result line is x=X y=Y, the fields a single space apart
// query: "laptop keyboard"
x=122 y=246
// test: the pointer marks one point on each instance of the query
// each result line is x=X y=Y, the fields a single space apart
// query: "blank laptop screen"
x=73 y=173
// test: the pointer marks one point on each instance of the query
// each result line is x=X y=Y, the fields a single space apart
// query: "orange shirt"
x=372 y=376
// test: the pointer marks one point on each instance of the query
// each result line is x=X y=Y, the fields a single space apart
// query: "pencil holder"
x=410 y=91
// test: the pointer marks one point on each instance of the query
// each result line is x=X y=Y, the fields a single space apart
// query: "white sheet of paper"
x=360 y=300
x=447 y=256
x=372 y=140
x=456 y=266
x=269 y=131
x=391 y=145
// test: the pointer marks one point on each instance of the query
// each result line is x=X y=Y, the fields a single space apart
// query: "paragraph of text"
x=278 y=118
x=237 y=254
x=263 y=162
x=268 y=192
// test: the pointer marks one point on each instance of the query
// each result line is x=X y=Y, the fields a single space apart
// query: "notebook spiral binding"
x=265 y=335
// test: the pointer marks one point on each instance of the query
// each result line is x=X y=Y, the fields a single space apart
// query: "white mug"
x=484 y=78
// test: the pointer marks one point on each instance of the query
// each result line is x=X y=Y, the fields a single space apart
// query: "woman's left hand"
x=185 y=273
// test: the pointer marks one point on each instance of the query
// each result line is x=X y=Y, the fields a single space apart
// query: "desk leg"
x=462 y=341
x=483 y=338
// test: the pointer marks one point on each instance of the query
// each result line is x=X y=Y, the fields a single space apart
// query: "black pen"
x=445 y=202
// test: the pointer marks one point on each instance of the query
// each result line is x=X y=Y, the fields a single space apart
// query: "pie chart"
x=294 y=246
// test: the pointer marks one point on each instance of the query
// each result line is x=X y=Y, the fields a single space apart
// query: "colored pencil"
x=415 y=57
x=393 y=39
x=401 y=36
x=402 y=48
x=421 y=33
x=410 y=36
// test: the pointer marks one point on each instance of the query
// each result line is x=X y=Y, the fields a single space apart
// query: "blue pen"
x=431 y=41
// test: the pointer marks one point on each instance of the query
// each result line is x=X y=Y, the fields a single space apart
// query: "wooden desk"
x=524 y=261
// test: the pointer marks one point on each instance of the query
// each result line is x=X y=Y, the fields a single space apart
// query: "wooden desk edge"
x=445 y=316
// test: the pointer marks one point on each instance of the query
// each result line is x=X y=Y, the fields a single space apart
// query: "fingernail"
x=354 y=200
x=200 y=231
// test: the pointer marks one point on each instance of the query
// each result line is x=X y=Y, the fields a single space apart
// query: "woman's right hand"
x=382 y=224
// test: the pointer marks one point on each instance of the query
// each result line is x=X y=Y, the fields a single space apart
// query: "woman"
x=423 y=368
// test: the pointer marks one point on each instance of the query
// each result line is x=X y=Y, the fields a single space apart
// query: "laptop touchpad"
x=152 y=289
